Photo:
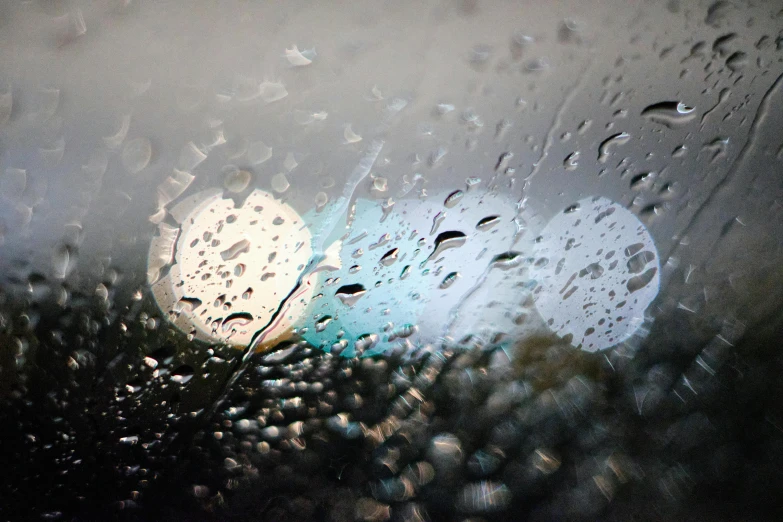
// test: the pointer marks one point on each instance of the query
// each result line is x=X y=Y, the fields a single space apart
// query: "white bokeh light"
x=230 y=268
x=597 y=271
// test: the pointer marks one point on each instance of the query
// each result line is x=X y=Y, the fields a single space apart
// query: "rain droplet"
x=436 y=221
x=487 y=223
x=737 y=61
x=240 y=247
x=506 y=260
x=350 y=136
x=182 y=374
x=612 y=141
x=594 y=270
x=642 y=181
x=322 y=323
x=379 y=184
x=116 y=140
x=503 y=160
x=445 y=241
x=638 y=261
x=280 y=183
x=272 y=91
x=572 y=161
x=669 y=113
x=190 y=157
x=321 y=199
x=237 y=180
x=449 y=280
x=453 y=198
x=443 y=108
x=638 y=282
x=290 y=162
x=186 y=305
x=258 y=152
x=136 y=155
x=236 y=320
x=60 y=261
x=299 y=58
x=350 y=294
x=390 y=257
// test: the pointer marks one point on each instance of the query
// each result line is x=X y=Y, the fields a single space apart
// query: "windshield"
x=461 y=260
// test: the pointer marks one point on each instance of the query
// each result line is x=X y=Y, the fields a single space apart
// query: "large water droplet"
x=669 y=113
x=572 y=161
x=236 y=180
x=453 y=198
x=136 y=155
x=487 y=223
x=612 y=141
x=445 y=241
x=350 y=294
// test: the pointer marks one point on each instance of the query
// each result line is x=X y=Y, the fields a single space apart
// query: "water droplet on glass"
x=321 y=199
x=61 y=261
x=190 y=157
x=240 y=247
x=507 y=260
x=379 y=184
x=669 y=113
x=487 y=223
x=236 y=180
x=503 y=160
x=445 y=241
x=258 y=152
x=449 y=280
x=322 y=323
x=182 y=374
x=453 y=198
x=737 y=61
x=118 y=137
x=236 y=320
x=572 y=161
x=390 y=257
x=443 y=108
x=136 y=155
x=350 y=294
x=280 y=183
x=299 y=58
x=642 y=181
x=350 y=136
x=290 y=162
x=612 y=141
x=272 y=91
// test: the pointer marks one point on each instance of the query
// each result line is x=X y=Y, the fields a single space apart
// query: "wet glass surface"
x=400 y=261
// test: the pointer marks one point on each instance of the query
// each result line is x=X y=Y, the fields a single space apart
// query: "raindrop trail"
x=455 y=310
x=319 y=238
x=722 y=97
x=558 y=119
x=761 y=112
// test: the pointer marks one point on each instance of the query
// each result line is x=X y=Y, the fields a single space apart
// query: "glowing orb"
x=406 y=267
x=597 y=271
x=224 y=271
